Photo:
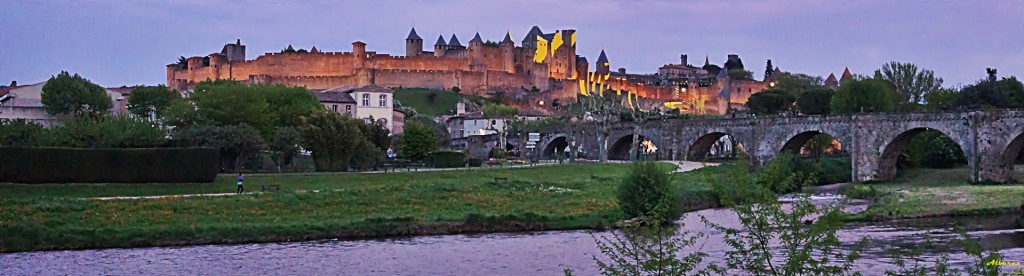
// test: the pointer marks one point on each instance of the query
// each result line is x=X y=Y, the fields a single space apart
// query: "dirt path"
x=685 y=166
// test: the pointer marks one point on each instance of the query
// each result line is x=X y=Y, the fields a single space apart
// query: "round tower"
x=359 y=51
x=195 y=63
x=413 y=44
x=508 y=53
x=217 y=60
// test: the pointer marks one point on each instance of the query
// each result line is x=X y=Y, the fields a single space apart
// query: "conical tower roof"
x=454 y=41
x=706 y=60
x=413 y=35
x=601 y=59
x=846 y=75
x=476 y=38
x=314 y=50
x=532 y=34
x=440 y=41
x=831 y=80
x=508 y=38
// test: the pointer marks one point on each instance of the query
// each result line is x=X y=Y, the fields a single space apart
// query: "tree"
x=232 y=103
x=816 y=101
x=869 y=95
x=236 y=143
x=332 y=138
x=772 y=101
x=768 y=69
x=456 y=89
x=603 y=111
x=285 y=146
x=797 y=84
x=941 y=99
x=740 y=74
x=151 y=101
x=377 y=133
x=417 y=142
x=287 y=105
x=644 y=110
x=910 y=83
x=73 y=95
x=441 y=133
x=503 y=112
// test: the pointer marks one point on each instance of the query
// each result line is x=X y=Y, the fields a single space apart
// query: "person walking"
x=240 y=189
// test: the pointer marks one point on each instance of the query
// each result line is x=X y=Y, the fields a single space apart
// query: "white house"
x=364 y=103
x=25 y=102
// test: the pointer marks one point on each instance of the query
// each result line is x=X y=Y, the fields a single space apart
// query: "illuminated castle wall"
x=543 y=60
x=546 y=61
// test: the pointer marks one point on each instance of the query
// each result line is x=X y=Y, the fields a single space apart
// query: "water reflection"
x=540 y=253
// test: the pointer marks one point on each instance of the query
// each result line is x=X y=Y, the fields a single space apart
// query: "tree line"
x=245 y=122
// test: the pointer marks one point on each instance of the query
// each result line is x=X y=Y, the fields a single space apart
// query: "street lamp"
x=541 y=102
x=772 y=84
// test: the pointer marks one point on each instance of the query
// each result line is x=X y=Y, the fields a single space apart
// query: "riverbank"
x=924 y=193
x=309 y=207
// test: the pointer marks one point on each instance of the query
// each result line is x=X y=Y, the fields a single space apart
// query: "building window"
x=348 y=109
x=366 y=99
x=383 y=100
x=334 y=108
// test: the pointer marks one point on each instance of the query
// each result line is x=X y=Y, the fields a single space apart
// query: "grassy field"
x=441 y=103
x=42 y=217
x=938 y=192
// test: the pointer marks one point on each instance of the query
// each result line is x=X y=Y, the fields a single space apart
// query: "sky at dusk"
x=116 y=43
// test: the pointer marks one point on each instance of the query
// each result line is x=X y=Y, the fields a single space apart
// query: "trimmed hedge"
x=476 y=162
x=74 y=165
x=446 y=159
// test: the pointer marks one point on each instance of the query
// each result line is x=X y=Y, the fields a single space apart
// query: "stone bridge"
x=990 y=140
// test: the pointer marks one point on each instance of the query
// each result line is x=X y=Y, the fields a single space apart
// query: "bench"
x=501 y=179
x=414 y=166
x=270 y=187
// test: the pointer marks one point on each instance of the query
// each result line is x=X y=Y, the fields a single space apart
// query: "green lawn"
x=441 y=103
x=39 y=217
x=935 y=192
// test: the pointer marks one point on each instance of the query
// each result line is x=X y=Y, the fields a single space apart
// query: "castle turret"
x=603 y=65
x=217 y=61
x=440 y=46
x=413 y=44
x=234 y=51
x=194 y=63
x=508 y=53
x=846 y=75
x=454 y=43
x=682 y=60
x=359 y=51
x=831 y=82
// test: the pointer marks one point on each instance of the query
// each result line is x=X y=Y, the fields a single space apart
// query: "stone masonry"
x=991 y=140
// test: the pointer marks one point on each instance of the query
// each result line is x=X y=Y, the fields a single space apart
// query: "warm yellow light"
x=542 y=50
x=556 y=42
x=572 y=39
x=772 y=84
x=541 y=102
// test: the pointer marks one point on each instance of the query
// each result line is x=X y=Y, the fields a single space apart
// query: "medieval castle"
x=547 y=61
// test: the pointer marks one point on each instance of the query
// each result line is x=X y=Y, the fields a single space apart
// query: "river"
x=539 y=253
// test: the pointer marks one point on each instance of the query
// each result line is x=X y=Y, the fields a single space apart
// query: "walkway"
x=685 y=166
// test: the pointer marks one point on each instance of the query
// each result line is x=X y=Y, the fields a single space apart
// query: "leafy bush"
x=772 y=101
x=499 y=154
x=647 y=193
x=367 y=157
x=446 y=159
x=787 y=173
x=860 y=191
x=476 y=162
x=67 y=165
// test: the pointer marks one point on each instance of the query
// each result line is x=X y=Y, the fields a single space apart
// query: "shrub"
x=368 y=156
x=446 y=159
x=787 y=173
x=67 y=165
x=499 y=154
x=647 y=193
x=476 y=162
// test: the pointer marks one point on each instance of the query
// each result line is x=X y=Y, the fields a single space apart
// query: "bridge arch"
x=891 y=151
x=796 y=143
x=704 y=144
x=619 y=149
x=555 y=143
x=1011 y=154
